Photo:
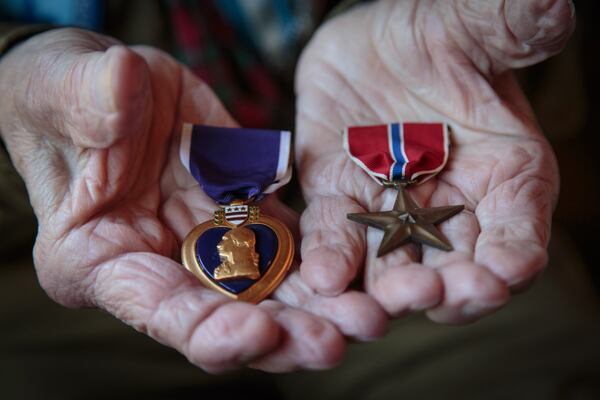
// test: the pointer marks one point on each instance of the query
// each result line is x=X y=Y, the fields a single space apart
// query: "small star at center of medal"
x=407 y=218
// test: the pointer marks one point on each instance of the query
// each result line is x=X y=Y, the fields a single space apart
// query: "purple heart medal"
x=240 y=253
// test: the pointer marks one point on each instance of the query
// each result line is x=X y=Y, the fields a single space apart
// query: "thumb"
x=109 y=93
x=511 y=33
x=76 y=85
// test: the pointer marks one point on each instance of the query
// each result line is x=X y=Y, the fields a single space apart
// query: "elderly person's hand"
x=426 y=60
x=92 y=126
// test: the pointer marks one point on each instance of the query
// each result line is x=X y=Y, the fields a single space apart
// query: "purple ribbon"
x=236 y=163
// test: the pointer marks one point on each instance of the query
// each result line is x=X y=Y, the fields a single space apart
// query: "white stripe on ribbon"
x=185 y=145
x=390 y=176
x=284 y=167
x=426 y=175
x=402 y=149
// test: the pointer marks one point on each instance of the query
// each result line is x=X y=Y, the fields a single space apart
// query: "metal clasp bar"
x=396 y=184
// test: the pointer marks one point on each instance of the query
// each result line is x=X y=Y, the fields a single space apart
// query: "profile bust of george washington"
x=237 y=254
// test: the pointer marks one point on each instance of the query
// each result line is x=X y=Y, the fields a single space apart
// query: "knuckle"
x=324 y=346
x=230 y=337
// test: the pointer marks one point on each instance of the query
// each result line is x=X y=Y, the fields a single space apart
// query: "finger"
x=515 y=229
x=400 y=286
x=112 y=93
x=309 y=341
x=470 y=292
x=74 y=97
x=483 y=246
x=333 y=248
x=398 y=281
x=272 y=206
x=459 y=302
x=462 y=230
x=498 y=35
x=80 y=86
x=355 y=314
x=156 y=296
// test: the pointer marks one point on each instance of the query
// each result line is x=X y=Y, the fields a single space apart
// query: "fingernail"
x=102 y=91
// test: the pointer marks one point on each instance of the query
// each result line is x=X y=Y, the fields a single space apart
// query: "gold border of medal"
x=268 y=282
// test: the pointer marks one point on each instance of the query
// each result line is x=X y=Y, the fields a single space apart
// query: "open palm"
x=92 y=127
x=443 y=61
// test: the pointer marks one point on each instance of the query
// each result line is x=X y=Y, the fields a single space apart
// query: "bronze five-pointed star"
x=408 y=222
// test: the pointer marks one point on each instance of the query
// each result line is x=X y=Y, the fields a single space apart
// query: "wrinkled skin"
x=431 y=61
x=94 y=134
x=92 y=126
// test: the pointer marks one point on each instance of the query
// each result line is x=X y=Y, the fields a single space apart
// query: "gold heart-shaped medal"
x=240 y=253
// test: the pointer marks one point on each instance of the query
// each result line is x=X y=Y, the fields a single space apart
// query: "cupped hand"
x=445 y=61
x=92 y=126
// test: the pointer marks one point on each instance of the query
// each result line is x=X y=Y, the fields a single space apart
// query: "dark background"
x=565 y=94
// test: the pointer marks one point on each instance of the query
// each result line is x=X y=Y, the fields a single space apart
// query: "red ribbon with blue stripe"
x=400 y=151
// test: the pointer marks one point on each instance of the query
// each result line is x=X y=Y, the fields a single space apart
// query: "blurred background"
x=544 y=345
x=564 y=93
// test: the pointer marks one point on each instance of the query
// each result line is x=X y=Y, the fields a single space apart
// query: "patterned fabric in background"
x=235 y=45
x=244 y=49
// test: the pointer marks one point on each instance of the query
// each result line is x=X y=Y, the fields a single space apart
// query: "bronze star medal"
x=407 y=222
x=397 y=155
